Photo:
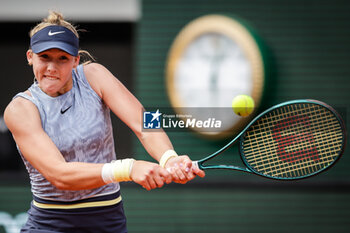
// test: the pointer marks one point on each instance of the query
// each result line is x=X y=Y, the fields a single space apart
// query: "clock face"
x=211 y=72
x=212 y=60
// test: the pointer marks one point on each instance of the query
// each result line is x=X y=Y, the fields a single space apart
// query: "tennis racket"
x=292 y=140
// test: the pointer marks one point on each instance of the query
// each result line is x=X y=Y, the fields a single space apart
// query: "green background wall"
x=308 y=44
x=309 y=47
x=216 y=209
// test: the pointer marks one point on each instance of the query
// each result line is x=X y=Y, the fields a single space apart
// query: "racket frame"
x=240 y=138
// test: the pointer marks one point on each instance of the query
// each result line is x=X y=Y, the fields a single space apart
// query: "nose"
x=51 y=67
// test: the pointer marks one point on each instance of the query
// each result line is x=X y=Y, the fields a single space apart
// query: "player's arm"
x=23 y=120
x=125 y=105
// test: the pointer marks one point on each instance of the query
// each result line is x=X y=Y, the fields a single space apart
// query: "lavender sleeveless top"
x=79 y=124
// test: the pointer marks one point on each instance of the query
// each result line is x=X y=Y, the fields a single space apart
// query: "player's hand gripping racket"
x=292 y=140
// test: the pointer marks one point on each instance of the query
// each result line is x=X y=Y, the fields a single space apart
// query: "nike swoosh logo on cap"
x=55 y=33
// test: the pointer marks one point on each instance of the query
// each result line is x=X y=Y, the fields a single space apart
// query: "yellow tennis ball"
x=243 y=105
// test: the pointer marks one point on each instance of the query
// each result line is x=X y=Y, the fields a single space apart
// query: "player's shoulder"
x=99 y=77
x=94 y=73
x=94 y=68
x=19 y=110
x=19 y=104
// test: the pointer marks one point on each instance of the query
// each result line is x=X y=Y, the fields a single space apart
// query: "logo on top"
x=55 y=33
x=152 y=120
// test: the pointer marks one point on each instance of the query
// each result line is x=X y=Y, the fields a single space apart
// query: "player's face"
x=53 y=70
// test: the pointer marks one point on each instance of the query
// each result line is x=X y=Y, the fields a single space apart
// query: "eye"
x=64 y=58
x=44 y=56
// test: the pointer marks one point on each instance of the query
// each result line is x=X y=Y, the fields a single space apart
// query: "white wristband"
x=117 y=171
x=106 y=173
x=166 y=156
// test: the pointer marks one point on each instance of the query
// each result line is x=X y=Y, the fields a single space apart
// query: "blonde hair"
x=56 y=18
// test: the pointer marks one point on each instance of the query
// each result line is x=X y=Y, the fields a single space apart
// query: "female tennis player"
x=63 y=131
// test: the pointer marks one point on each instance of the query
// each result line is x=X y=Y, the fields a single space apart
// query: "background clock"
x=213 y=59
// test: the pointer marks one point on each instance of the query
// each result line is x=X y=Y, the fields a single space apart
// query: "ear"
x=76 y=61
x=30 y=57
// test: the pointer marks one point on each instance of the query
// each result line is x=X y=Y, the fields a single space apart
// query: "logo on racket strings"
x=301 y=142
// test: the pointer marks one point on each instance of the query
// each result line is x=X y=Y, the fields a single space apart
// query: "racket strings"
x=303 y=165
x=329 y=131
x=307 y=163
x=293 y=141
x=329 y=128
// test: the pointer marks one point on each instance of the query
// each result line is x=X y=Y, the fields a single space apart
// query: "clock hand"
x=214 y=74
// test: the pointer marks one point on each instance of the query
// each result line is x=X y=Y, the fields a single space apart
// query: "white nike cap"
x=55 y=36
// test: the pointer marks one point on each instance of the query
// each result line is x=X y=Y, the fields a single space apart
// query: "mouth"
x=50 y=77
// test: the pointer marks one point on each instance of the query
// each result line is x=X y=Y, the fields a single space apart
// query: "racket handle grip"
x=195 y=164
